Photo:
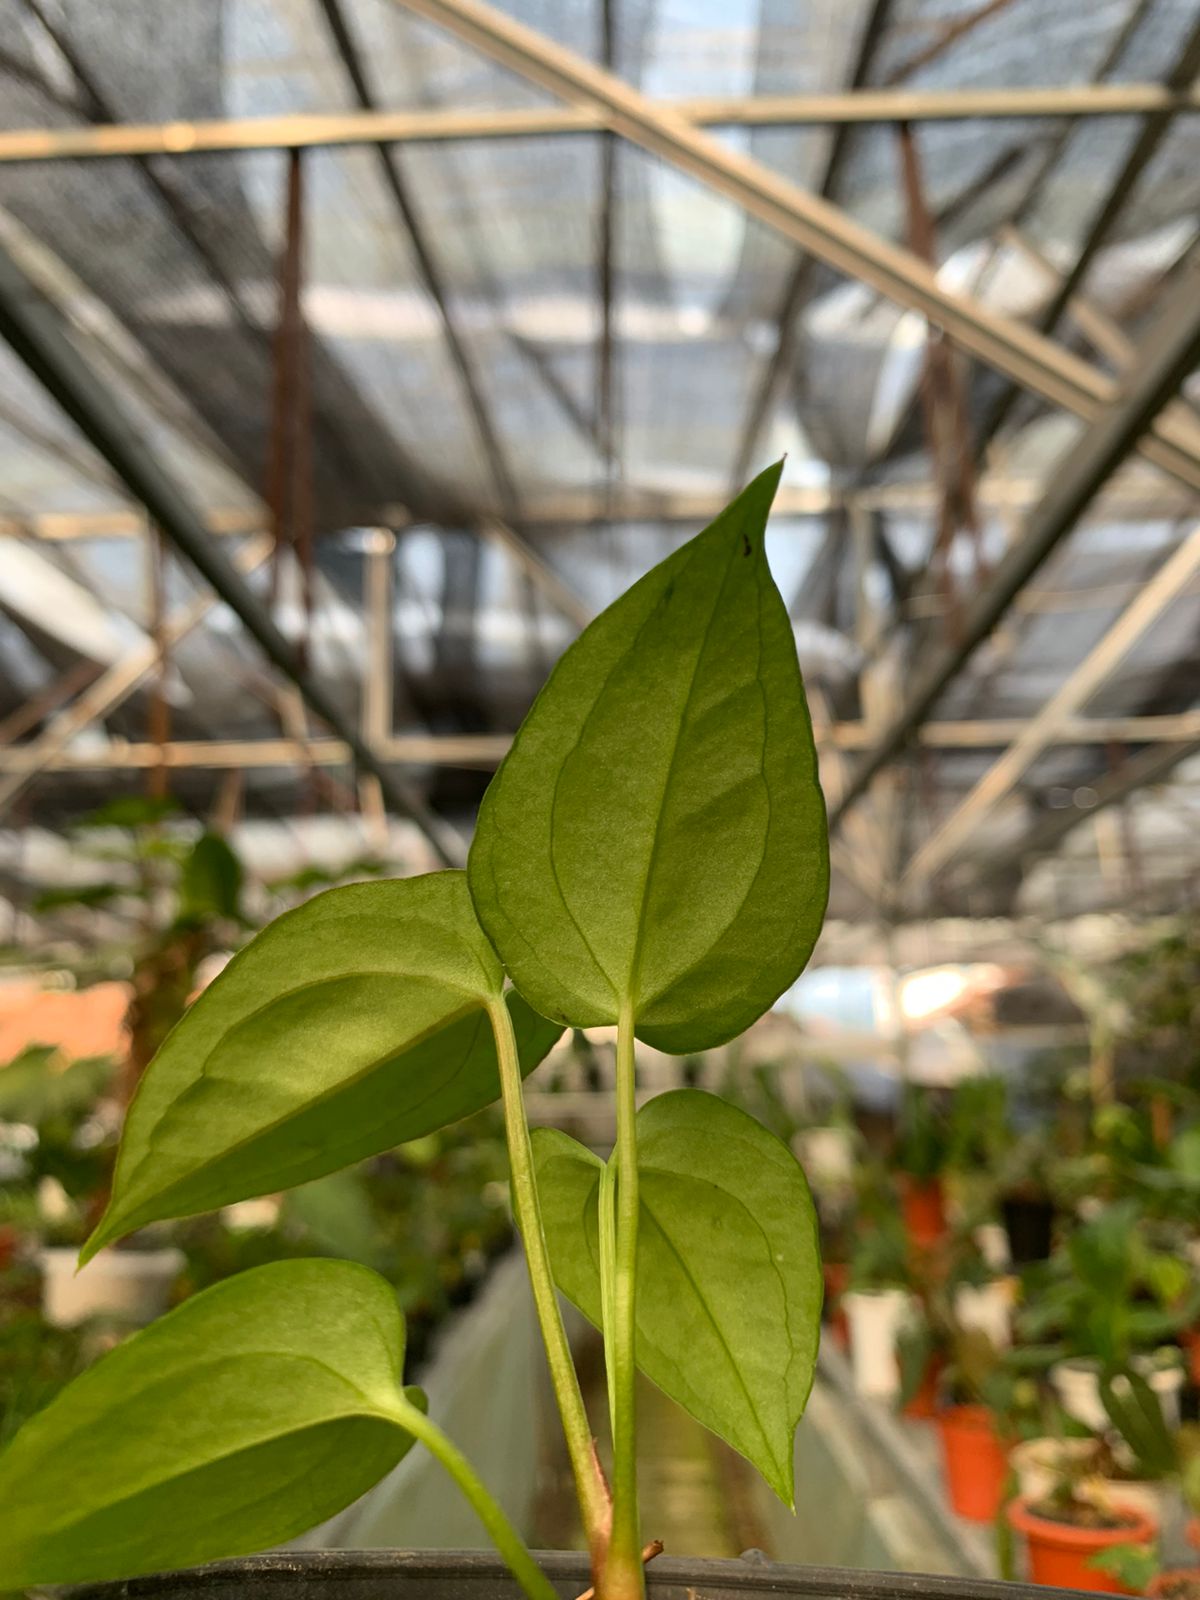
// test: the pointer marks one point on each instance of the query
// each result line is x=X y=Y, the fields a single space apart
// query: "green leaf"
x=657 y=834
x=350 y=1025
x=1137 y=1414
x=210 y=880
x=249 y=1414
x=729 y=1268
x=1135 y=1566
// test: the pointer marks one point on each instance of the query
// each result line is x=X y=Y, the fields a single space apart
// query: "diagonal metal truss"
x=1155 y=129
x=34 y=331
x=1014 y=350
x=1170 y=354
x=1042 y=730
x=803 y=273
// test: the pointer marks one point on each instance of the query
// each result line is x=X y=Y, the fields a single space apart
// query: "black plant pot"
x=1029 y=1223
x=479 y=1575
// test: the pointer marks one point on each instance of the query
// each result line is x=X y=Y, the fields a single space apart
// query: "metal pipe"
x=325 y=129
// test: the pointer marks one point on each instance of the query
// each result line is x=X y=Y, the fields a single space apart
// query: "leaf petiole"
x=607 y=1215
x=624 y=1575
x=499 y=1529
x=594 y=1503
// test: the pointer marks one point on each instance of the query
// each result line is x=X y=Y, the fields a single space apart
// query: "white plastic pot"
x=992 y=1239
x=133 y=1285
x=987 y=1308
x=1040 y=1464
x=827 y=1156
x=875 y=1318
x=1076 y=1382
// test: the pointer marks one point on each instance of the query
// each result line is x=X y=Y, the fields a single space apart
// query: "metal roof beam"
x=1042 y=730
x=35 y=332
x=1171 y=736
x=1155 y=129
x=1128 y=498
x=1170 y=353
x=437 y=125
x=1019 y=353
x=111 y=689
x=1148 y=767
x=430 y=271
x=799 y=282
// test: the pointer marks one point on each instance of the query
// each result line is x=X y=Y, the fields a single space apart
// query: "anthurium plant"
x=651 y=854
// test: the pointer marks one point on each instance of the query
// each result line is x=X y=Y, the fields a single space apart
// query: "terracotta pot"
x=1190 y=1340
x=975 y=1459
x=924 y=1205
x=1162 y=1587
x=1059 y=1553
x=837 y=1276
x=923 y=1407
x=1041 y=1464
x=1192 y=1532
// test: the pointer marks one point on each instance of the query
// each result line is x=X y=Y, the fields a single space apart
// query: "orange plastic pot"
x=1059 y=1553
x=975 y=1459
x=924 y=1207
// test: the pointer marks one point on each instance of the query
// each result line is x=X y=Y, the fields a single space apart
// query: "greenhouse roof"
x=425 y=328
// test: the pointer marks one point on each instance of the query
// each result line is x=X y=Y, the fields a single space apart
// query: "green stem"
x=624 y=1577
x=607 y=1206
x=499 y=1529
x=592 y=1491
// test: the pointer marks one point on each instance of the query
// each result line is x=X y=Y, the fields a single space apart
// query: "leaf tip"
x=105 y=1232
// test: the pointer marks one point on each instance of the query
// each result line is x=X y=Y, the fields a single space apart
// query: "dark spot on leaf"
x=747 y=547
x=668 y=591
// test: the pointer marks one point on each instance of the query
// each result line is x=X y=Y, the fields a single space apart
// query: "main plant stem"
x=499 y=1529
x=590 y=1487
x=623 y=1577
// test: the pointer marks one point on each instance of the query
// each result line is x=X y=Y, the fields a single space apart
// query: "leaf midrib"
x=636 y=959
x=311 y=1102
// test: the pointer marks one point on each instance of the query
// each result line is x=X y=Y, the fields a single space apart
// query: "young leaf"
x=656 y=835
x=729 y=1269
x=252 y=1412
x=350 y=1025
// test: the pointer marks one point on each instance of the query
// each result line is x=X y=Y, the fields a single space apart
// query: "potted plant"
x=1027 y=1208
x=922 y=1149
x=979 y=1140
x=1139 y=1569
x=652 y=853
x=64 y=1168
x=985 y=1388
x=878 y=1300
x=184 y=895
x=1067 y=1531
x=1112 y=1302
x=1078 y=1531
